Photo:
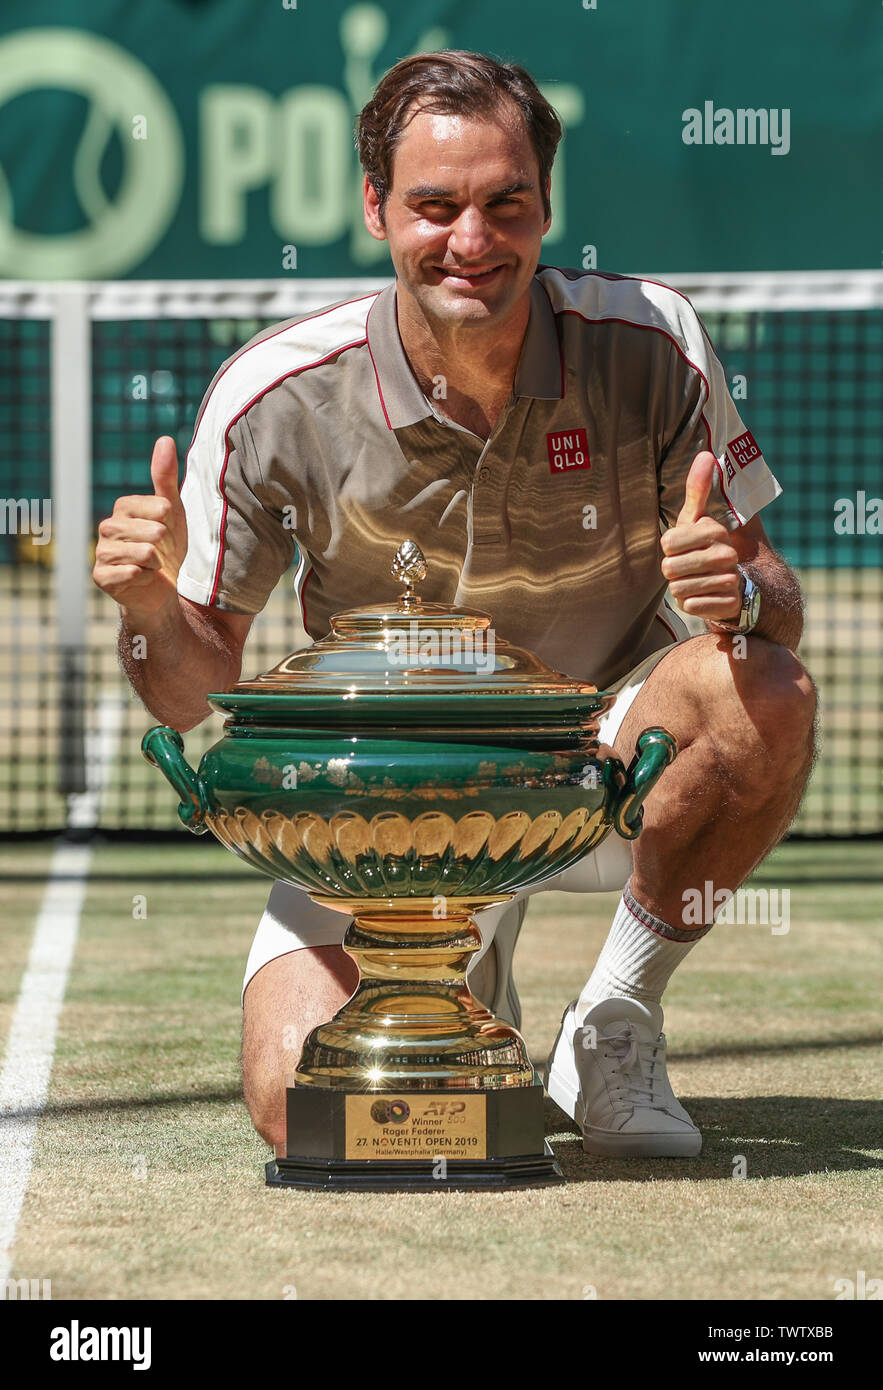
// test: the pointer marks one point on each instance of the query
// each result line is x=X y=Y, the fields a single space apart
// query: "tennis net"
x=91 y=374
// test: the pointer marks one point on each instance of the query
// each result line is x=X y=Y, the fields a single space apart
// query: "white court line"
x=24 y=1081
x=27 y=1068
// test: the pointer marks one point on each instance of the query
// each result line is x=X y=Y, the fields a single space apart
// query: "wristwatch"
x=750 y=610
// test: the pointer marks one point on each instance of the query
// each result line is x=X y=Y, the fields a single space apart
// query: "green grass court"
x=147 y=1180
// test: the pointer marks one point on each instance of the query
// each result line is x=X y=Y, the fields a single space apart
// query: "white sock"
x=639 y=957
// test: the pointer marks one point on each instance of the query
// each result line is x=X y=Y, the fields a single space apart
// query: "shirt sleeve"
x=239 y=542
x=703 y=416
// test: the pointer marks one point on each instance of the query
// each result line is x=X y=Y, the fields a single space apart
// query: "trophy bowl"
x=410 y=770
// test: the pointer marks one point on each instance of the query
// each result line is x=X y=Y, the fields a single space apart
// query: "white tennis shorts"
x=292 y=920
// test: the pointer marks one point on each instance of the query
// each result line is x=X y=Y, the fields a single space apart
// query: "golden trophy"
x=411 y=770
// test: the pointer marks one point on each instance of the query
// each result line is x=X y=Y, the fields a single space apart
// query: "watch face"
x=754 y=607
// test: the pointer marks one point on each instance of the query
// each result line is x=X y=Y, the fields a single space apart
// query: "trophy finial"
x=409 y=565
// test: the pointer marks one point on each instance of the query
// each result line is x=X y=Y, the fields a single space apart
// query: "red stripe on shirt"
x=296 y=371
x=308 y=318
x=652 y=328
x=667 y=627
x=379 y=391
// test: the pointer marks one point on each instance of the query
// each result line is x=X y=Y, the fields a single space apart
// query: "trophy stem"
x=414 y=1084
x=413 y=1022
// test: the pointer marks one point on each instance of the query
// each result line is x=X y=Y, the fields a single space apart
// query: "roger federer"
x=563 y=448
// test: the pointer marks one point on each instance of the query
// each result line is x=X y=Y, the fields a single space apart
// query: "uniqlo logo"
x=567 y=451
x=731 y=472
x=744 y=449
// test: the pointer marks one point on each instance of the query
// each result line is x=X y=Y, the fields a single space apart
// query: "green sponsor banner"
x=214 y=139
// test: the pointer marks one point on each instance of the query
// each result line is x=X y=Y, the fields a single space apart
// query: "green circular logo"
x=390 y=1112
x=125 y=97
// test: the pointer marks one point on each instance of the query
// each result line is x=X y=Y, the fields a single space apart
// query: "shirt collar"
x=540 y=370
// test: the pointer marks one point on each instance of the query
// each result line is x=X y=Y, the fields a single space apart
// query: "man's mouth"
x=462 y=276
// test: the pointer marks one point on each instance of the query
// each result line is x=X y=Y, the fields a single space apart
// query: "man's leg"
x=745 y=736
x=744 y=728
x=283 y=1002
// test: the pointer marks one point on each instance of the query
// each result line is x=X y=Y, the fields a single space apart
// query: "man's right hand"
x=142 y=545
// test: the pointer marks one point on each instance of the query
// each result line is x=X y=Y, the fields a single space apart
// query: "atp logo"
x=126 y=105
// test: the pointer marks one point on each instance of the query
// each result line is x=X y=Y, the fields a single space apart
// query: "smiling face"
x=464 y=219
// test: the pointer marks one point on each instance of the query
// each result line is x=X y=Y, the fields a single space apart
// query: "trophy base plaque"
x=414 y=1139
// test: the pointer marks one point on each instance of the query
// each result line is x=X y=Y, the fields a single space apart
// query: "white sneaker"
x=609 y=1076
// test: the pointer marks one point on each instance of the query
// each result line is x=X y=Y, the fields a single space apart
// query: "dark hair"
x=452 y=82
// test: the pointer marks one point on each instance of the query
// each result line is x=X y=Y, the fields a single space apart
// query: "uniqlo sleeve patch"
x=568 y=450
x=743 y=450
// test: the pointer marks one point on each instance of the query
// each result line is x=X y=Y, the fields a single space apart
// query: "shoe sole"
x=602 y=1143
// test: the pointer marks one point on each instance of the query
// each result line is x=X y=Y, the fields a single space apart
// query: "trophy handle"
x=654 y=750
x=164 y=748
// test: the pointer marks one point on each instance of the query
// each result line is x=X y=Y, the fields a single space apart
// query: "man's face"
x=464 y=216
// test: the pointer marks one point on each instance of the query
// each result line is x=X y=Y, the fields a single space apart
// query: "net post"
x=71 y=405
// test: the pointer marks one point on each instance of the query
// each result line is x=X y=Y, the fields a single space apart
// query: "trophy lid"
x=405 y=660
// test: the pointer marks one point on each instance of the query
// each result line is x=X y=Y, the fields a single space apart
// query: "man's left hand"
x=700 y=560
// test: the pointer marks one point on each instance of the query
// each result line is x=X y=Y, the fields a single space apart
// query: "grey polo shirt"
x=316 y=435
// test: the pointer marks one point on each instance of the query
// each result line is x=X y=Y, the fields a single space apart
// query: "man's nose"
x=470 y=236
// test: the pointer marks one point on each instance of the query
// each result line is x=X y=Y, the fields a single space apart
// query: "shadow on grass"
x=99 y=1104
x=758 y=1049
x=778 y=1136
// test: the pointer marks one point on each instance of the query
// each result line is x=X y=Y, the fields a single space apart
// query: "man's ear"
x=373 y=215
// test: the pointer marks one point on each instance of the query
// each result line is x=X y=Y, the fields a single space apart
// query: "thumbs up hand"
x=700 y=560
x=142 y=545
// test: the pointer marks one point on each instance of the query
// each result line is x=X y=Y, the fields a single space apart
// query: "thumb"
x=698 y=488
x=164 y=470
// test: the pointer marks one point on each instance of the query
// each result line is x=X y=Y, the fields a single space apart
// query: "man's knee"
x=263 y=1081
x=765 y=678
x=266 y=1106
x=777 y=692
